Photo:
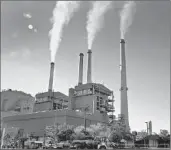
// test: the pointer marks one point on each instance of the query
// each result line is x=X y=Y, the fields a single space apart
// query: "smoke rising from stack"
x=126 y=17
x=62 y=14
x=95 y=19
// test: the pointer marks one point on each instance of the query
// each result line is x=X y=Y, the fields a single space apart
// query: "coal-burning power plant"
x=76 y=100
x=91 y=98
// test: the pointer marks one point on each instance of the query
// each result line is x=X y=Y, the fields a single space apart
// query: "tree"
x=114 y=137
x=99 y=130
x=60 y=132
x=7 y=139
x=128 y=136
x=92 y=130
x=164 y=133
x=141 y=135
x=118 y=131
x=65 y=135
x=164 y=137
x=20 y=137
x=52 y=132
x=79 y=133
x=9 y=135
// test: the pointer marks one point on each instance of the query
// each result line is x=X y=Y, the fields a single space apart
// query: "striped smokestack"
x=123 y=93
x=80 y=79
x=89 y=78
x=51 y=78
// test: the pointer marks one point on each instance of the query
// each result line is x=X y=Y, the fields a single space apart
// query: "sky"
x=25 y=55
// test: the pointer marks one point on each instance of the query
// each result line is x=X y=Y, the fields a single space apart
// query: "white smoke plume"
x=126 y=17
x=96 y=18
x=62 y=14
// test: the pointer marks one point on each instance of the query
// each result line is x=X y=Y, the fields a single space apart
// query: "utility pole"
x=44 y=141
x=85 y=120
x=84 y=109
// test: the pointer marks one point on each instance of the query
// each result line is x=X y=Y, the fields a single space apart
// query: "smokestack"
x=89 y=80
x=80 y=80
x=51 y=78
x=123 y=93
x=150 y=127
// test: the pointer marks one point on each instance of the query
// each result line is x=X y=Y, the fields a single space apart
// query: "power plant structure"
x=57 y=108
x=123 y=89
x=87 y=103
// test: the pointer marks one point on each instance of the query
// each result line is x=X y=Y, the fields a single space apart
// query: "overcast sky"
x=25 y=55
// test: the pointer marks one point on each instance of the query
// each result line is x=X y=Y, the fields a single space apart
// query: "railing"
x=112 y=116
x=110 y=108
x=110 y=100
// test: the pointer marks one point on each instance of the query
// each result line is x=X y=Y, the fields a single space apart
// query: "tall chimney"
x=89 y=80
x=51 y=78
x=123 y=89
x=150 y=127
x=80 y=80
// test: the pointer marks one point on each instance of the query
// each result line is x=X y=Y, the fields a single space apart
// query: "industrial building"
x=87 y=103
x=15 y=102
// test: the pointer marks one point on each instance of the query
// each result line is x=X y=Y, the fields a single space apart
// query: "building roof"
x=55 y=94
x=16 y=91
x=97 y=86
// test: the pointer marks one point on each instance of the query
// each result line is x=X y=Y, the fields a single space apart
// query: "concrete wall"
x=42 y=106
x=27 y=106
x=84 y=101
x=35 y=125
x=36 y=122
x=153 y=143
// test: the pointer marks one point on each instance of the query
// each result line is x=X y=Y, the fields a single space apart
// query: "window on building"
x=59 y=106
x=18 y=109
x=101 y=101
x=65 y=106
x=98 y=103
x=54 y=106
